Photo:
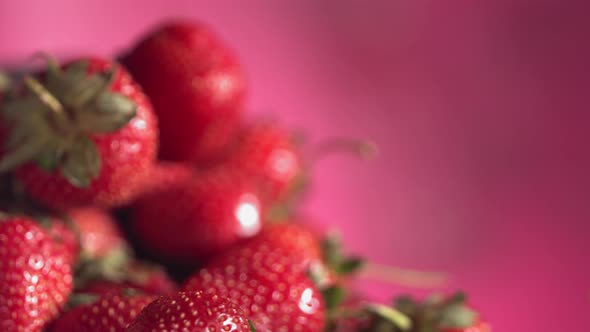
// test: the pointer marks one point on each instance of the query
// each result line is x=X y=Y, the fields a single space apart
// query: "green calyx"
x=5 y=82
x=52 y=123
x=251 y=325
x=437 y=312
x=335 y=259
x=112 y=267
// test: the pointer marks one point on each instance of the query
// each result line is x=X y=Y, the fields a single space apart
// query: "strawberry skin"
x=137 y=275
x=126 y=154
x=196 y=85
x=35 y=276
x=272 y=290
x=191 y=312
x=113 y=312
x=267 y=152
x=194 y=218
x=99 y=233
x=302 y=244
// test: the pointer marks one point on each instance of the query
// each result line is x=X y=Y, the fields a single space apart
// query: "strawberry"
x=268 y=152
x=273 y=290
x=35 y=275
x=136 y=275
x=99 y=233
x=281 y=161
x=196 y=85
x=191 y=312
x=65 y=237
x=302 y=244
x=84 y=134
x=191 y=219
x=112 y=312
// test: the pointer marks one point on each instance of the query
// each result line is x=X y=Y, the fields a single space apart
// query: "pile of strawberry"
x=135 y=198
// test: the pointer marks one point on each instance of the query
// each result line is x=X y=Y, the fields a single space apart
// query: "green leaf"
x=457 y=316
x=5 y=81
x=252 y=328
x=457 y=298
x=83 y=91
x=47 y=160
x=108 y=112
x=331 y=250
x=350 y=265
x=405 y=304
x=80 y=299
x=81 y=163
x=333 y=296
x=395 y=317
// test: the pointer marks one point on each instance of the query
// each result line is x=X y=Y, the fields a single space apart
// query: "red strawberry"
x=268 y=152
x=35 y=275
x=271 y=154
x=196 y=85
x=99 y=233
x=136 y=275
x=191 y=312
x=165 y=174
x=302 y=244
x=65 y=237
x=193 y=218
x=273 y=290
x=82 y=135
x=112 y=312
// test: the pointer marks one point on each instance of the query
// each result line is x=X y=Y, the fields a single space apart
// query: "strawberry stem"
x=404 y=277
x=363 y=149
x=5 y=82
x=44 y=95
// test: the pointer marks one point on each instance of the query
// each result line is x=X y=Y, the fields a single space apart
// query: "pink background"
x=480 y=110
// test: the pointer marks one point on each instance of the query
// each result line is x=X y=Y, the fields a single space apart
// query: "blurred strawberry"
x=99 y=233
x=64 y=236
x=268 y=152
x=197 y=87
x=84 y=134
x=35 y=275
x=144 y=277
x=300 y=241
x=112 y=312
x=273 y=290
x=190 y=219
x=281 y=161
x=193 y=312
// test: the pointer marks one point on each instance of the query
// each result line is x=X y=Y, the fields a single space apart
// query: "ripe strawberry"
x=302 y=244
x=99 y=233
x=196 y=85
x=64 y=237
x=81 y=135
x=267 y=152
x=136 y=275
x=113 y=312
x=35 y=275
x=273 y=290
x=194 y=218
x=191 y=312
x=270 y=153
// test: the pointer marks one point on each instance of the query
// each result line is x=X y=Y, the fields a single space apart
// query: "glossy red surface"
x=480 y=110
